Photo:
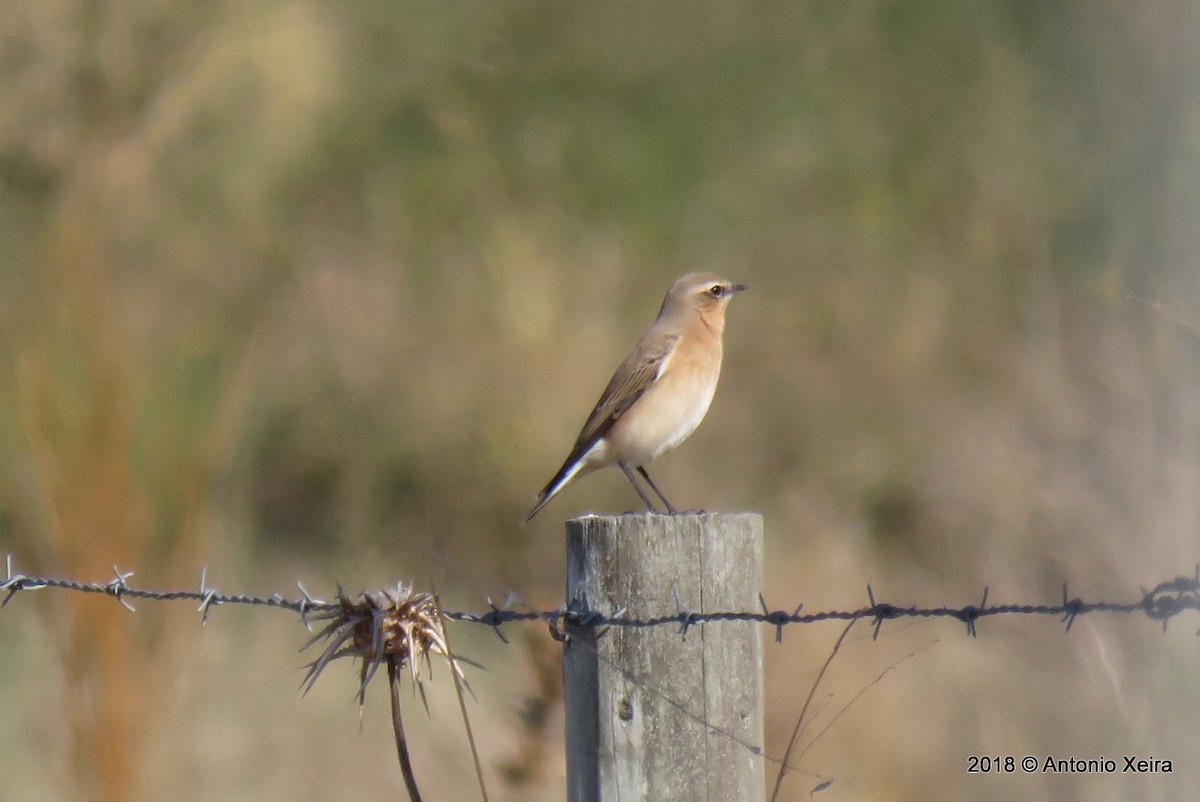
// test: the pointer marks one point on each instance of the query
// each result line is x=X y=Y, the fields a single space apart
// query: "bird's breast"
x=670 y=409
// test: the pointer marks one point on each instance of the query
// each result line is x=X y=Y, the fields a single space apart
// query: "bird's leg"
x=645 y=499
x=670 y=509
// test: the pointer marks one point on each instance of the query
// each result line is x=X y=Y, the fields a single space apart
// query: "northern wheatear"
x=659 y=394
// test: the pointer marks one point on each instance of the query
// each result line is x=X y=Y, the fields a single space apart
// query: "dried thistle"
x=399 y=627
x=400 y=623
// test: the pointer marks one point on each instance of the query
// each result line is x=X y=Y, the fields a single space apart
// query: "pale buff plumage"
x=660 y=393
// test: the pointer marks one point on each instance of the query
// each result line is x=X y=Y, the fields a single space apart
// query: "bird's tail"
x=566 y=473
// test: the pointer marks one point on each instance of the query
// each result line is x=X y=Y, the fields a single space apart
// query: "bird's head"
x=702 y=294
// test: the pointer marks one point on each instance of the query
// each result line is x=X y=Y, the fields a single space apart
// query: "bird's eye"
x=716 y=290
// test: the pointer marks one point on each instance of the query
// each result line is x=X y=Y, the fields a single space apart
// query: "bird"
x=659 y=394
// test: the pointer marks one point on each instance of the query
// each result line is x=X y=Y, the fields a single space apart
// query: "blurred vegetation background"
x=308 y=291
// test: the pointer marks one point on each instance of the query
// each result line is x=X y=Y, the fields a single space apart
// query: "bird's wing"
x=629 y=382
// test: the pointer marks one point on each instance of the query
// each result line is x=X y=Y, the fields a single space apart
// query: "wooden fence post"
x=653 y=714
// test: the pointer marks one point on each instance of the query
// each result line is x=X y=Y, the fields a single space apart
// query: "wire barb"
x=970 y=613
x=494 y=615
x=117 y=588
x=1071 y=608
x=12 y=581
x=1168 y=599
x=209 y=597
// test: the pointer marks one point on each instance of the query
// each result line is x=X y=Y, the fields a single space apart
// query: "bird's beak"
x=739 y=287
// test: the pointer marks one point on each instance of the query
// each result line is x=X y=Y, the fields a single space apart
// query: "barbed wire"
x=398 y=627
x=1163 y=602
